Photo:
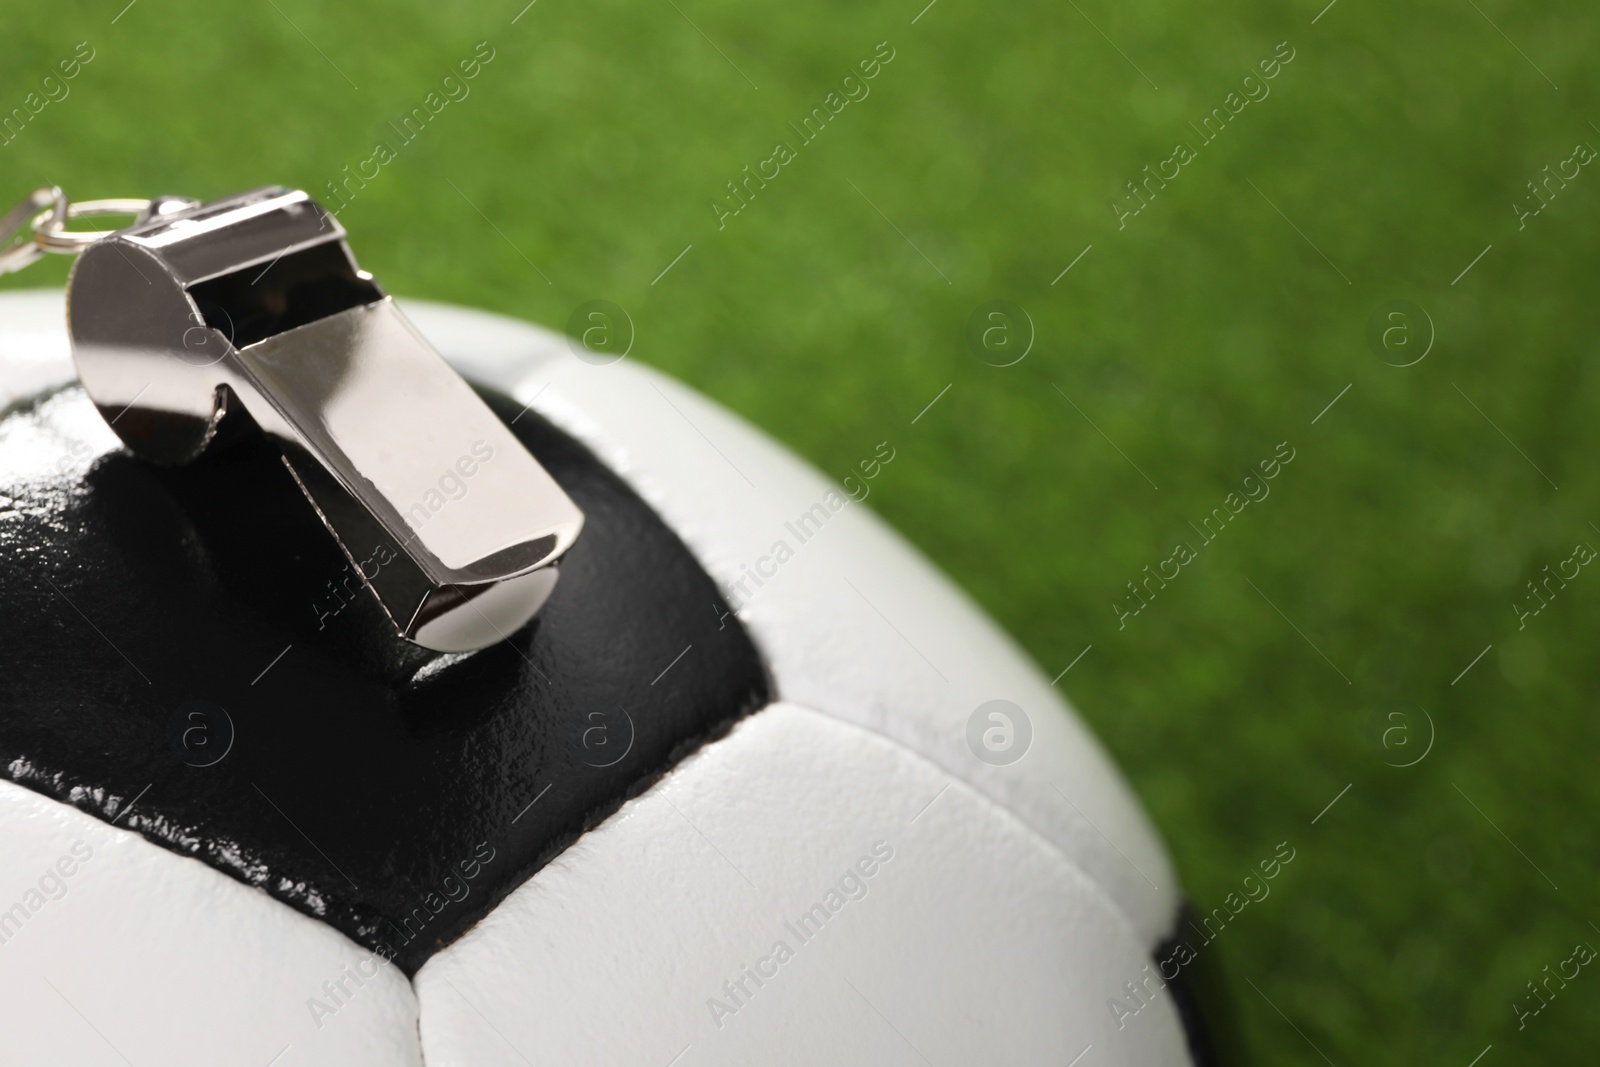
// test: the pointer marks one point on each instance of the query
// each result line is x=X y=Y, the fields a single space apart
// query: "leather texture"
x=394 y=795
x=801 y=892
x=856 y=623
x=123 y=952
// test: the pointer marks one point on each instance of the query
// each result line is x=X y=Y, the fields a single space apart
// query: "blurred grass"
x=1196 y=339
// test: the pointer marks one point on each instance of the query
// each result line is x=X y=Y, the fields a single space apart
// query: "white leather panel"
x=116 y=951
x=800 y=892
x=34 y=352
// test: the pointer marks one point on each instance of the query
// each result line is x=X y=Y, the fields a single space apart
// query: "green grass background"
x=1196 y=339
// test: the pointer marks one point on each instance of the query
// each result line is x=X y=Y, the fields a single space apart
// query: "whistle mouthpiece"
x=255 y=301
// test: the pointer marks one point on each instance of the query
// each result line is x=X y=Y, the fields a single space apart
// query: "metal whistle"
x=256 y=302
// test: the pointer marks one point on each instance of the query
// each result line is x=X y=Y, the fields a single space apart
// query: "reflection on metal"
x=254 y=305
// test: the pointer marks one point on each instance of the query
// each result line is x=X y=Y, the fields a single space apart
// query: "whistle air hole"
x=265 y=299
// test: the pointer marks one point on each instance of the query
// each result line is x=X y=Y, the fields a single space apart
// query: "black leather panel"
x=193 y=638
x=1192 y=975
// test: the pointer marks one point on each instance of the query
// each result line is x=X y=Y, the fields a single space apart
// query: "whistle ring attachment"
x=50 y=231
x=14 y=257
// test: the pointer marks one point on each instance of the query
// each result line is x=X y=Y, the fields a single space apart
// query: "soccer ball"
x=759 y=785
